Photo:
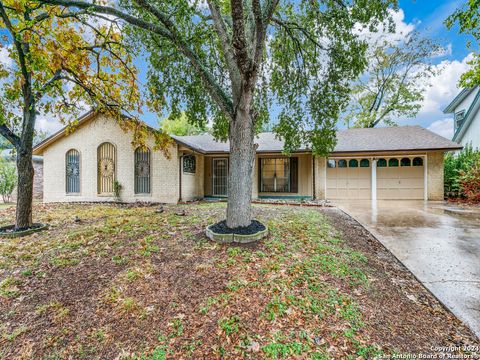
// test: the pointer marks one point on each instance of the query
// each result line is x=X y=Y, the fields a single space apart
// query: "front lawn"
x=126 y=282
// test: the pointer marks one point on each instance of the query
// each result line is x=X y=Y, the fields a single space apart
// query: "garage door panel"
x=349 y=183
x=394 y=183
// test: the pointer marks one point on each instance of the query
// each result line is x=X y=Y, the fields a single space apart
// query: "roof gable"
x=462 y=95
x=468 y=118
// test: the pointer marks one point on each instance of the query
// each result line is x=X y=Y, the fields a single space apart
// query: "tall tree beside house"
x=181 y=126
x=50 y=48
x=468 y=18
x=231 y=60
x=394 y=83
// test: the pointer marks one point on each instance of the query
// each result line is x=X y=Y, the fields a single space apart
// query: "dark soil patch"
x=222 y=228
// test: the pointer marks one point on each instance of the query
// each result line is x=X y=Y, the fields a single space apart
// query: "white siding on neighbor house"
x=465 y=104
x=86 y=139
x=472 y=133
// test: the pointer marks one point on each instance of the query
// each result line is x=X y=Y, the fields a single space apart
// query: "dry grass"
x=128 y=283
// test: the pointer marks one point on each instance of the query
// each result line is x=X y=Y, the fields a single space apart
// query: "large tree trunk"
x=25 y=173
x=242 y=154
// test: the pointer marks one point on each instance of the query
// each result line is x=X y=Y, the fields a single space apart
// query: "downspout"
x=180 y=178
x=313 y=177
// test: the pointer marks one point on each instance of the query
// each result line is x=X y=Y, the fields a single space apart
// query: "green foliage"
x=304 y=68
x=181 y=127
x=461 y=173
x=468 y=18
x=8 y=179
x=394 y=82
x=229 y=325
x=283 y=351
x=470 y=181
x=117 y=189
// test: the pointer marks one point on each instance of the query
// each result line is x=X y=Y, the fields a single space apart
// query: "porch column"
x=374 y=179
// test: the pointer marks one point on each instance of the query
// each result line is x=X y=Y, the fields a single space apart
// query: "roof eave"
x=450 y=108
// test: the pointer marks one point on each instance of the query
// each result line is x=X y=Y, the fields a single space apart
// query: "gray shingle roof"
x=397 y=138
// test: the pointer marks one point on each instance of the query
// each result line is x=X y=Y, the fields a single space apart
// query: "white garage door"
x=400 y=178
x=349 y=179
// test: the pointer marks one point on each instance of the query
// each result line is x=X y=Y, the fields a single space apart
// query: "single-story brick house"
x=404 y=162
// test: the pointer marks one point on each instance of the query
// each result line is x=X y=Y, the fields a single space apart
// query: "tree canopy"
x=468 y=18
x=305 y=54
x=394 y=82
x=180 y=126
x=59 y=60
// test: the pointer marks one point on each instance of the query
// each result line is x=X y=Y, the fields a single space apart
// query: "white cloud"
x=402 y=29
x=443 y=127
x=48 y=124
x=5 y=58
x=443 y=87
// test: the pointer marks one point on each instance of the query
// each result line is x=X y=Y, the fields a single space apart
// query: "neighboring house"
x=37 y=167
x=465 y=108
x=380 y=163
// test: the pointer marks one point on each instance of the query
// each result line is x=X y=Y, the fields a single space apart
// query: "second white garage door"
x=400 y=178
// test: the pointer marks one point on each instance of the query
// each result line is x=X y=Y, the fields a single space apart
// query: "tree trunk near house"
x=242 y=155
x=25 y=172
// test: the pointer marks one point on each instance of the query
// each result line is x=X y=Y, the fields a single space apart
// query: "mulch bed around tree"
x=222 y=228
x=132 y=283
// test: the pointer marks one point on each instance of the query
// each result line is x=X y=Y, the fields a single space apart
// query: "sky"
x=425 y=16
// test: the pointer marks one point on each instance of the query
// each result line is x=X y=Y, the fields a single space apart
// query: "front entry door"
x=220 y=176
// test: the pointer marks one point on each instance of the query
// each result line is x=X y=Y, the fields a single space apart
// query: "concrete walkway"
x=439 y=244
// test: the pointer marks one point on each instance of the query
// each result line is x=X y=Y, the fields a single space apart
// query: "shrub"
x=461 y=173
x=470 y=182
x=8 y=180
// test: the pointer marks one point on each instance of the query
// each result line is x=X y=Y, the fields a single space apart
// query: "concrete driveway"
x=438 y=243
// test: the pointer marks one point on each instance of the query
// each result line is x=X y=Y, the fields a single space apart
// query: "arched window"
x=331 y=163
x=364 y=163
x=418 y=161
x=342 y=163
x=72 y=170
x=405 y=162
x=392 y=162
x=353 y=163
x=142 y=170
x=106 y=164
x=381 y=163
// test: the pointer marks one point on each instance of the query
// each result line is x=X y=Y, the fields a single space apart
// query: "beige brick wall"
x=86 y=139
x=192 y=184
x=435 y=175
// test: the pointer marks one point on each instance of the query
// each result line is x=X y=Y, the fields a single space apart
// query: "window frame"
x=73 y=193
x=353 y=161
x=382 y=166
x=261 y=177
x=186 y=157
x=136 y=177
x=419 y=158
x=458 y=118
x=115 y=165
x=394 y=159
x=409 y=162
x=361 y=161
